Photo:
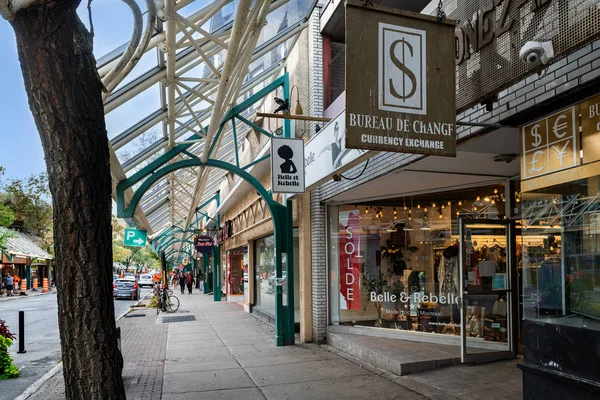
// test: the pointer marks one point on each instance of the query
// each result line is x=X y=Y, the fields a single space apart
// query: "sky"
x=20 y=146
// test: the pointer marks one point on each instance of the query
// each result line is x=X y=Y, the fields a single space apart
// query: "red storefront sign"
x=349 y=239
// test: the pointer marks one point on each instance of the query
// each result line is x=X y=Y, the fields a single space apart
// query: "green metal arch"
x=274 y=207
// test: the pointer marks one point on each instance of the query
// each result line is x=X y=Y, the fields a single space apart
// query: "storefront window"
x=395 y=264
x=237 y=263
x=561 y=254
x=265 y=282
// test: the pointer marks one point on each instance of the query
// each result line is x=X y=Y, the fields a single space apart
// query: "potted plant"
x=7 y=368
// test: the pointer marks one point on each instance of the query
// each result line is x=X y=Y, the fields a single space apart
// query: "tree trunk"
x=64 y=91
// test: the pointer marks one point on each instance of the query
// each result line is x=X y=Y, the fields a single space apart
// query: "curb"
x=38 y=384
x=4 y=298
x=130 y=308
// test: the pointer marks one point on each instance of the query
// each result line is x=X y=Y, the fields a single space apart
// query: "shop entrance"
x=487 y=284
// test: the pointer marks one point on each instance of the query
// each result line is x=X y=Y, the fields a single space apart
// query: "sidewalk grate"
x=178 y=318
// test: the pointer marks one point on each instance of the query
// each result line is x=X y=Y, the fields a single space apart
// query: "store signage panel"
x=287 y=165
x=326 y=152
x=492 y=33
x=590 y=129
x=550 y=144
x=349 y=249
x=400 y=94
x=203 y=244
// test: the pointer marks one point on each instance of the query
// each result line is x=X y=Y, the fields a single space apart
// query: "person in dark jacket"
x=182 y=282
x=189 y=280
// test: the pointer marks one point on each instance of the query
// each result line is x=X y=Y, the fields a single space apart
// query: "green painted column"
x=216 y=258
x=28 y=276
x=279 y=230
x=289 y=236
x=205 y=273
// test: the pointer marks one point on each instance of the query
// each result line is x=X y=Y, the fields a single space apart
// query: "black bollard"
x=22 y=333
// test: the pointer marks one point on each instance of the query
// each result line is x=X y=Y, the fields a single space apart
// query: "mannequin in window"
x=448 y=275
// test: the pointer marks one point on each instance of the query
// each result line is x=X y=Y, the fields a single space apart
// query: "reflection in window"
x=561 y=254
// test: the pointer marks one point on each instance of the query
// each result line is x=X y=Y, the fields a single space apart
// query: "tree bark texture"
x=64 y=91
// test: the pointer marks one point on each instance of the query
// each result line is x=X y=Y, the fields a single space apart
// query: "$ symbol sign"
x=538 y=138
x=407 y=72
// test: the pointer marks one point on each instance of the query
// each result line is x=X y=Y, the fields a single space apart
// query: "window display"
x=396 y=265
x=264 y=267
x=561 y=254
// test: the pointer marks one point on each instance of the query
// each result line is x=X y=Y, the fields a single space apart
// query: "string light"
x=395 y=212
x=418 y=206
x=460 y=203
x=433 y=205
x=486 y=199
x=405 y=208
x=441 y=216
x=425 y=209
x=478 y=198
x=367 y=210
x=458 y=213
x=495 y=191
x=449 y=203
x=443 y=206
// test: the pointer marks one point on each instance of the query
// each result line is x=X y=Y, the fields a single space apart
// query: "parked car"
x=126 y=288
x=145 y=280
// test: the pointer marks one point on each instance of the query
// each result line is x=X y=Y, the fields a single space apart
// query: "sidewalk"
x=30 y=293
x=210 y=350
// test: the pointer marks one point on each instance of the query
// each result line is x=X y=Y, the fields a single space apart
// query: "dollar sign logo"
x=537 y=137
x=407 y=72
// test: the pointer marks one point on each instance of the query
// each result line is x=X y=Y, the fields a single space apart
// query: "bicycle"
x=166 y=301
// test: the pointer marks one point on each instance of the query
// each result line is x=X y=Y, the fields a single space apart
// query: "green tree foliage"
x=138 y=257
x=28 y=201
x=7 y=215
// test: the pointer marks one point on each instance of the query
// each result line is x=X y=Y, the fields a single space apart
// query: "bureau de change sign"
x=400 y=81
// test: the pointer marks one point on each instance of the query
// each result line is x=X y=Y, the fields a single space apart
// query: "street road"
x=42 y=341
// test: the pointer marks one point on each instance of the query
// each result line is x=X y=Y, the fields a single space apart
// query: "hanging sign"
x=203 y=244
x=400 y=93
x=287 y=165
x=349 y=239
x=325 y=153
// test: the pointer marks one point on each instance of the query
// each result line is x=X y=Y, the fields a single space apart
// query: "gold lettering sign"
x=590 y=125
x=550 y=145
x=557 y=178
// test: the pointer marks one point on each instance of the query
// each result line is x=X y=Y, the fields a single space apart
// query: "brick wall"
x=319 y=266
x=534 y=96
x=315 y=68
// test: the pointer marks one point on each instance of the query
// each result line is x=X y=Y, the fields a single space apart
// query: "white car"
x=145 y=280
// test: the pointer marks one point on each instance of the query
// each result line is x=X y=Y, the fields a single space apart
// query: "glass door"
x=487 y=304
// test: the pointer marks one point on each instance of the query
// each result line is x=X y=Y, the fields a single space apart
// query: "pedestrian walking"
x=190 y=282
x=182 y=282
x=9 y=285
x=201 y=278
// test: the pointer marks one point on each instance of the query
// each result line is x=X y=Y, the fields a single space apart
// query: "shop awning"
x=23 y=245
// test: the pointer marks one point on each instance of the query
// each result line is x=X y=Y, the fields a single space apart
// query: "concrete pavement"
x=42 y=340
x=210 y=350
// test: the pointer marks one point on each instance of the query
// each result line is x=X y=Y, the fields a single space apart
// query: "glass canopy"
x=186 y=62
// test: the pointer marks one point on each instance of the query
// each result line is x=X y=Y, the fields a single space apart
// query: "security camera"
x=534 y=52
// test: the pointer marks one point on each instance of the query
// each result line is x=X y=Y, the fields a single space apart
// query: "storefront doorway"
x=488 y=297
